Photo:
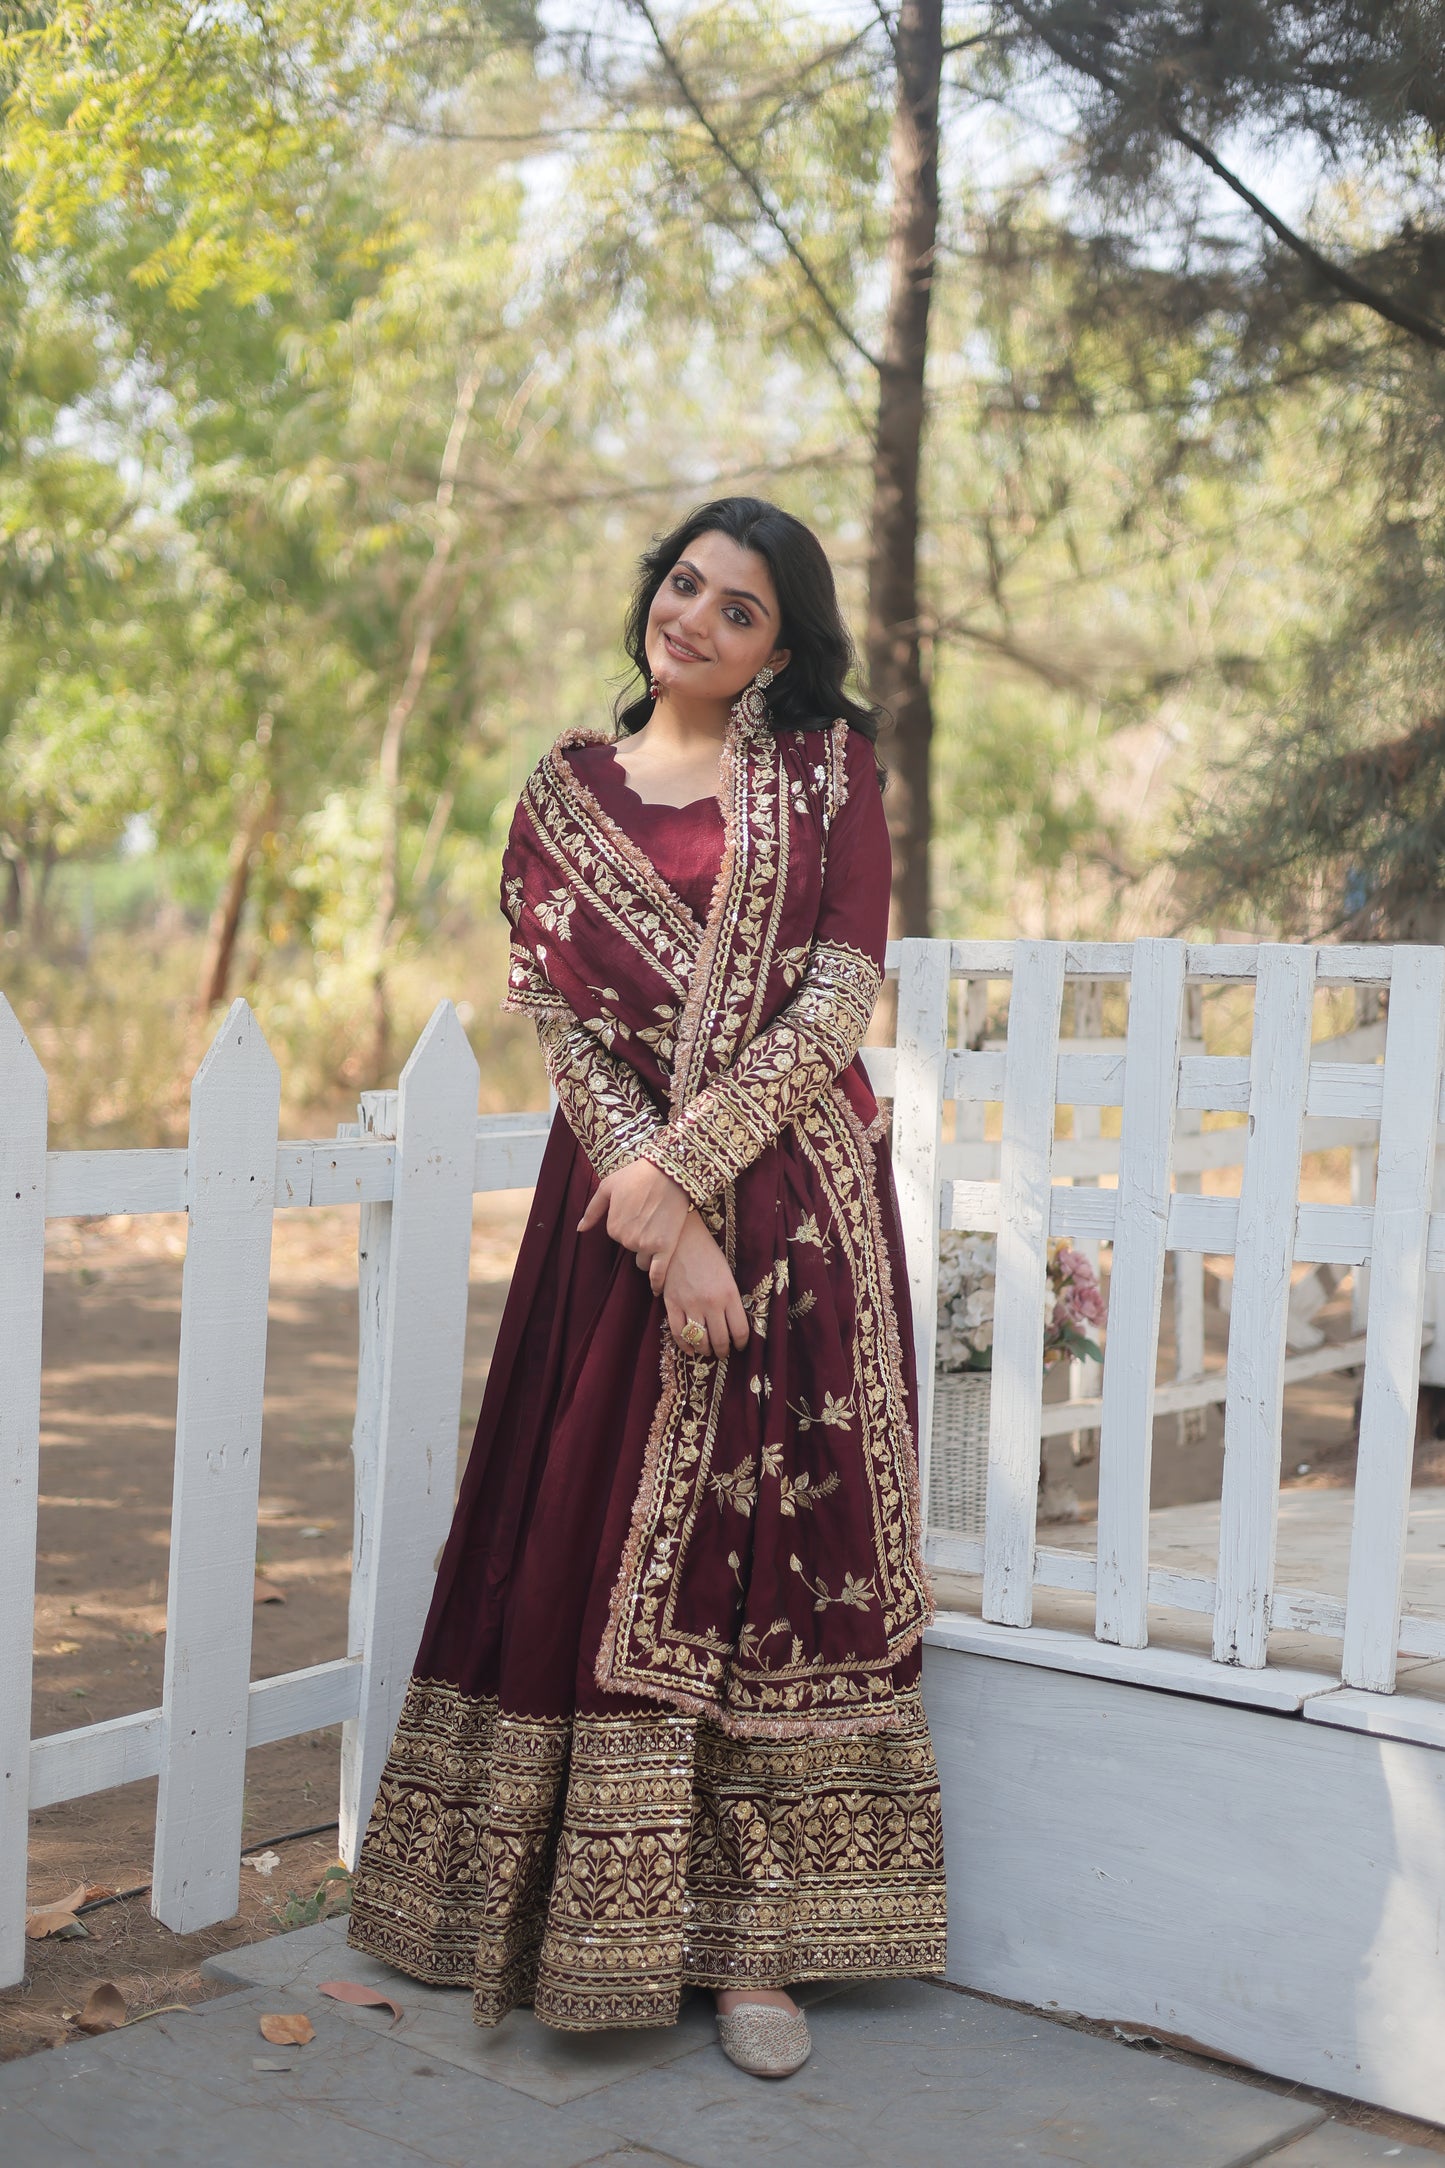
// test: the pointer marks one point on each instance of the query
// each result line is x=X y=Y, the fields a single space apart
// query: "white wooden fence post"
x=1085 y=1378
x=1404 y=1189
x=1136 y=1291
x=1031 y=1067
x=923 y=982
x=1279 y=1062
x=1189 y=1264
x=421 y=1386
x=373 y=1270
x=22 y=1285
x=1362 y=1172
x=230 y=1188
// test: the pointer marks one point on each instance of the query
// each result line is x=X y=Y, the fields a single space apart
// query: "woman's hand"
x=644 y=1210
x=700 y=1285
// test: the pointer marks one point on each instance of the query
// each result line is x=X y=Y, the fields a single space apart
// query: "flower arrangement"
x=967 y=1263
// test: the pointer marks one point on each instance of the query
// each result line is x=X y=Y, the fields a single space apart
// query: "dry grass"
x=119 y=1036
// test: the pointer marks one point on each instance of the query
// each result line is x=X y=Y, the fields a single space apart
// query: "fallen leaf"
x=287 y=2029
x=50 y=1920
x=365 y=1998
x=85 y=1893
x=104 y=2009
x=270 y=2062
x=59 y=1918
x=263 y=1862
x=267 y=1592
x=310 y=1531
x=64 y=1648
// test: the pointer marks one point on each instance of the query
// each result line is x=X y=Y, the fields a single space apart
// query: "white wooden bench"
x=1200 y=1841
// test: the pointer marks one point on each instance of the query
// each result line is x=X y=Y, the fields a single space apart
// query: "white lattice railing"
x=1294 y=1103
x=412 y=1167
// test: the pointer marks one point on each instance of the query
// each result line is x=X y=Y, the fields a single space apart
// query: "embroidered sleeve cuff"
x=689 y=1156
x=607 y=1107
x=774 y=1081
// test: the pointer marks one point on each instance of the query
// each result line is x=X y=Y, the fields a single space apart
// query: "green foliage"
x=330 y=1900
x=265 y=271
x=1327 y=818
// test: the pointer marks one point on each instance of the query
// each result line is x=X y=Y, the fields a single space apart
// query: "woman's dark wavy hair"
x=821 y=654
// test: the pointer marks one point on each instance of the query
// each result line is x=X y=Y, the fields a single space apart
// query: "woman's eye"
x=683 y=584
x=739 y=615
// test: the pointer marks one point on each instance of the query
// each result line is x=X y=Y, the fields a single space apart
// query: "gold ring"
x=694 y=1333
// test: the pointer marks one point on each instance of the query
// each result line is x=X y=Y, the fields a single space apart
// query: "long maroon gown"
x=544 y=1838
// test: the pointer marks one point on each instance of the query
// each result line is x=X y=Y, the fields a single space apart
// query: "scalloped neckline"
x=652 y=805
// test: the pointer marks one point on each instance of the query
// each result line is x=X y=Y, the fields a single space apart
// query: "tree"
x=1331 y=822
x=725 y=115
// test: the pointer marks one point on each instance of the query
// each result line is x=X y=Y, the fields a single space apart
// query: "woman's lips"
x=682 y=652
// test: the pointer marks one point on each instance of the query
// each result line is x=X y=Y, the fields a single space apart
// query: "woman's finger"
x=597 y=1206
x=677 y=1323
x=658 y=1274
x=717 y=1332
x=737 y=1319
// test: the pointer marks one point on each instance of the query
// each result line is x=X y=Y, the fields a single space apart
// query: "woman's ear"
x=779 y=659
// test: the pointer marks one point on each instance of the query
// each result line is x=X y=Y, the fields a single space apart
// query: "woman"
x=665 y=1726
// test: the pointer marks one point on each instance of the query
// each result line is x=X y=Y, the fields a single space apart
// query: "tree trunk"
x=895 y=669
x=429 y=611
x=220 y=951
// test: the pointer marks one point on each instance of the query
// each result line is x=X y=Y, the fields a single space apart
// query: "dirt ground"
x=112 y=1323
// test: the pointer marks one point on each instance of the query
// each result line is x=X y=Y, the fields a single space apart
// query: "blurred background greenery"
x=350 y=351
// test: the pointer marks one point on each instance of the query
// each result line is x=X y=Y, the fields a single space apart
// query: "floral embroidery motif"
x=801 y=1494
x=556 y=913
x=855 y=1591
x=738 y=1488
x=834 y=1414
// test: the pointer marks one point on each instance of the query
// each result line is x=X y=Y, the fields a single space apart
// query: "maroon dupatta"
x=771 y=1576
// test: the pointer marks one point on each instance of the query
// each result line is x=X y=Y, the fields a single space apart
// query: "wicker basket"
x=958 y=1465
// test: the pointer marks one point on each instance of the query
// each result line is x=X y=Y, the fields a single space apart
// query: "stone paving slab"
x=520 y=2053
x=912 y=2073
x=1336 y=2145
x=180 y=2092
x=906 y=2075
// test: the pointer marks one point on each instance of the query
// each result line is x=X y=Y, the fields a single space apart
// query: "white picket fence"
x=1387 y=1113
x=421 y=1153
x=413 y=1174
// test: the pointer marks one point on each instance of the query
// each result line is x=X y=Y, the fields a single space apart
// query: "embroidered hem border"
x=595 y=1866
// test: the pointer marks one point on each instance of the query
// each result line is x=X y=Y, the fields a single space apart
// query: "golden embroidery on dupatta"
x=751 y=1688
x=592 y=853
x=775 y=1079
x=596 y=1865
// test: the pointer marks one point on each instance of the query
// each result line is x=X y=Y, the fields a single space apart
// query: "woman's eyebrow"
x=741 y=594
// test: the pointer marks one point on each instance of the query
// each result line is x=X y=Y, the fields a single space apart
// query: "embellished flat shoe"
x=765 y=2041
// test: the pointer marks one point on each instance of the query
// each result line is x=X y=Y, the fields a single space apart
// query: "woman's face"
x=714 y=622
